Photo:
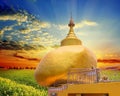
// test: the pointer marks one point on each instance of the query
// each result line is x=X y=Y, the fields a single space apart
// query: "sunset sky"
x=36 y=23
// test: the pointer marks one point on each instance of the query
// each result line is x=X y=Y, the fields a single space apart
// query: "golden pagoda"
x=71 y=38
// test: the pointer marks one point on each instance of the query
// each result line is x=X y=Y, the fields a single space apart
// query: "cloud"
x=44 y=34
x=48 y=40
x=82 y=24
x=26 y=55
x=28 y=29
x=27 y=37
x=36 y=22
x=45 y=25
x=36 y=39
x=34 y=25
x=1 y=32
x=21 y=42
x=9 y=37
x=18 y=17
x=85 y=23
x=12 y=45
x=25 y=30
x=6 y=28
x=90 y=23
x=62 y=27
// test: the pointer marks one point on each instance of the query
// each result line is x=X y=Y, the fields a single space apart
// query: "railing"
x=83 y=76
x=62 y=87
x=56 y=89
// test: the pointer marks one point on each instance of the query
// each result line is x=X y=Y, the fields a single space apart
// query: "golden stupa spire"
x=71 y=33
x=71 y=38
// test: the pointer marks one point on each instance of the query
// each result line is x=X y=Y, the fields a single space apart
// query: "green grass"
x=11 y=88
x=24 y=77
x=113 y=75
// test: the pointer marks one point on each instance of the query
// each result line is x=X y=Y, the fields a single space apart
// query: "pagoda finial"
x=71 y=33
x=71 y=23
x=71 y=38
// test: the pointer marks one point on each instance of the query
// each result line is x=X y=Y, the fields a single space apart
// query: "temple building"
x=71 y=38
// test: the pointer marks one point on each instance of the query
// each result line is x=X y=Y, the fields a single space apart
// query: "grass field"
x=22 y=83
x=112 y=74
x=21 y=79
